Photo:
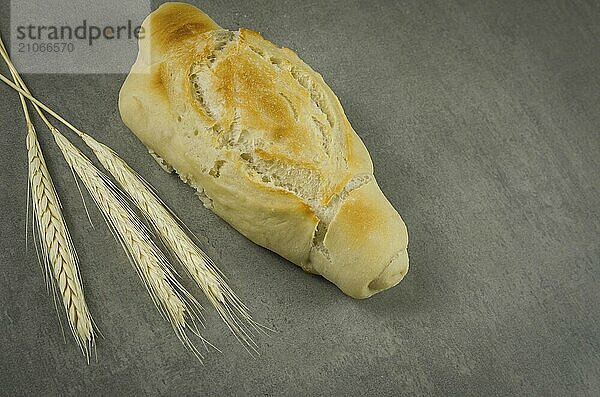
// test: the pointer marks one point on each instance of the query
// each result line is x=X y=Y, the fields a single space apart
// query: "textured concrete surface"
x=483 y=121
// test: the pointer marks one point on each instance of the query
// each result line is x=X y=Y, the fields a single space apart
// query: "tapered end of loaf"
x=393 y=273
x=364 y=250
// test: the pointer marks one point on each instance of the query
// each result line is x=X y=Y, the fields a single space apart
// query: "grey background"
x=483 y=122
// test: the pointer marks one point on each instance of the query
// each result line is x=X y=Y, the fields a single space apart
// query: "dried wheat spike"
x=169 y=296
x=200 y=267
x=55 y=242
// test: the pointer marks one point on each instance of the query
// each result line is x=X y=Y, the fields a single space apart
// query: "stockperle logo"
x=76 y=36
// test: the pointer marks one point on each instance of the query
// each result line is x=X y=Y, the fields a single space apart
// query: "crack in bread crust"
x=264 y=131
x=328 y=213
x=276 y=117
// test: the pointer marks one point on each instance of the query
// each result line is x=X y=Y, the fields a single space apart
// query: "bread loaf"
x=266 y=144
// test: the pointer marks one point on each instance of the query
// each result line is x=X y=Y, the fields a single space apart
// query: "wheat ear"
x=57 y=247
x=169 y=296
x=204 y=272
x=199 y=266
x=58 y=252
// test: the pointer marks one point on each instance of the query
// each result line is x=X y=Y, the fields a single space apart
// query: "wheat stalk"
x=169 y=296
x=57 y=247
x=58 y=252
x=199 y=266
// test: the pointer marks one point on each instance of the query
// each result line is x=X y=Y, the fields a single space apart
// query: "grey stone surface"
x=483 y=121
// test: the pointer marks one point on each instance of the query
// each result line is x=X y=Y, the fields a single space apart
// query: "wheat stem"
x=195 y=261
x=169 y=296
x=58 y=252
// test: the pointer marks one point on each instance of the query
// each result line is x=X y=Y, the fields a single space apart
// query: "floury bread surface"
x=267 y=145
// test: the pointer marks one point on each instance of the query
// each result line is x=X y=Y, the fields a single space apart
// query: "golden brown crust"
x=370 y=230
x=267 y=144
x=174 y=24
x=158 y=81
